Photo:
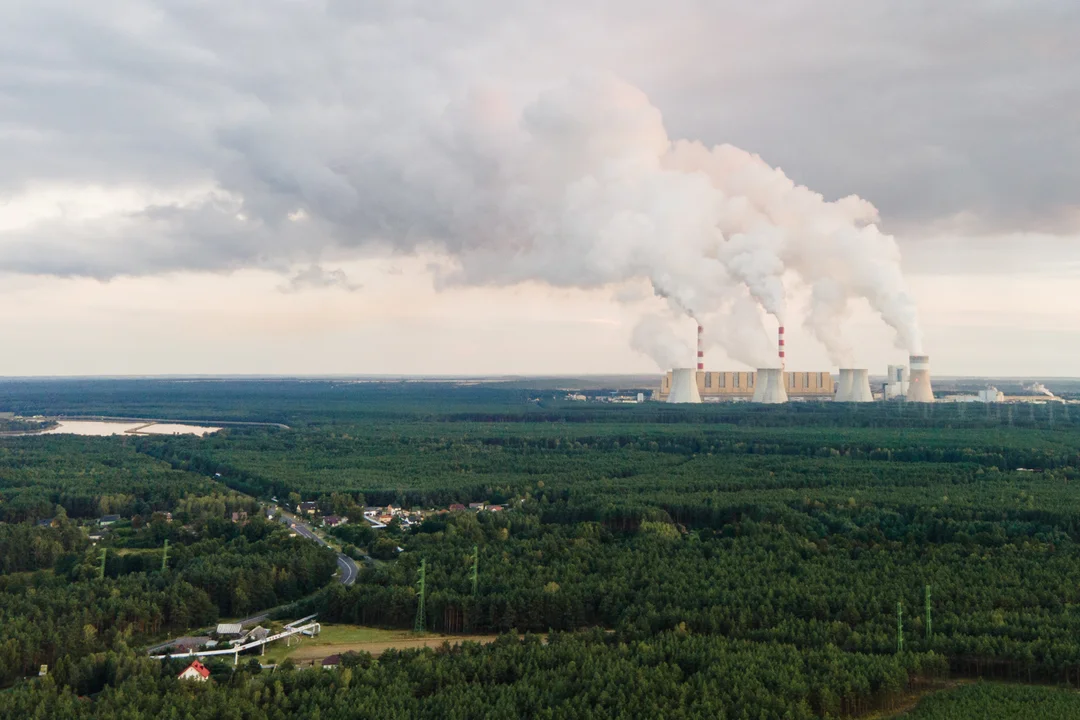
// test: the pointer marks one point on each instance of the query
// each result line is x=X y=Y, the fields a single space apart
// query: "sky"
x=479 y=187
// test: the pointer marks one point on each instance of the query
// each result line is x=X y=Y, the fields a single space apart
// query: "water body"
x=103 y=429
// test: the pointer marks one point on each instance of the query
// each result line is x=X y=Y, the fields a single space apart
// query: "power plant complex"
x=778 y=385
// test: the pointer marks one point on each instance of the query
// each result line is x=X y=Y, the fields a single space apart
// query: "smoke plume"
x=579 y=186
x=582 y=187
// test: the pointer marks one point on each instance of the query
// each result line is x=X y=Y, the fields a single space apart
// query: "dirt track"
x=304 y=654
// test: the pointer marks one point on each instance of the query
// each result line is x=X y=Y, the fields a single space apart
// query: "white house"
x=195 y=671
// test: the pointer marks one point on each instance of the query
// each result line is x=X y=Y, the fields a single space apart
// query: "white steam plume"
x=657 y=335
x=582 y=187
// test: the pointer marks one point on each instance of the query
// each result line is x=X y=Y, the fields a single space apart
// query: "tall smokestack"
x=780 y=346
x=919 y=389
x=769 y=387
x=684 y=386
x=700 y=350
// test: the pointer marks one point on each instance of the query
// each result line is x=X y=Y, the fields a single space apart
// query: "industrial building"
x=740 y=385
x=777 y=385
x=854 y=386
x=896 y=382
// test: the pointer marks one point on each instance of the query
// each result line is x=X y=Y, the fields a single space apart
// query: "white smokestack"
x=919 y=389
x=684 y=386
x=769 y=387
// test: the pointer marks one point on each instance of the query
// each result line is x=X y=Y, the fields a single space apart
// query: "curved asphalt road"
x=345 y=563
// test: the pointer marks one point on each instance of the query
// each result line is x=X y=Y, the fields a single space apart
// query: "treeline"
x=992 y=701
x=300 y=403
x=409 y=466
x=24 y=547
x=674 y=675
x=88 y=477
x=818 y=578
x=219 y=569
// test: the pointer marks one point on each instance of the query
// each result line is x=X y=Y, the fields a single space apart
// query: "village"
x=380 y=517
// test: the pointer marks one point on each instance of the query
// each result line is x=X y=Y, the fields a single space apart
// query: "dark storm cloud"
x=959 y=116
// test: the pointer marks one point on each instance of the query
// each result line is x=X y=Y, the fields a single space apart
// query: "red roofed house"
x=456 y=507
x=195 y=671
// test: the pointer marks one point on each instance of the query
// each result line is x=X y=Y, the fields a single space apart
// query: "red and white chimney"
x=780 y=347
x=700 y=349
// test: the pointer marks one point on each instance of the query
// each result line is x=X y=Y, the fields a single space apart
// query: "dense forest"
x=717 y=561
x=993 y=701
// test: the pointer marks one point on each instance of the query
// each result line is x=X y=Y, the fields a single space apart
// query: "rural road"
x=345 y=563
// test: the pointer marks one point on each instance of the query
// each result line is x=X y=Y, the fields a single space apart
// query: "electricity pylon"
x=419 y=626
x=929 y=631
x=475 y=568
x=899 y=627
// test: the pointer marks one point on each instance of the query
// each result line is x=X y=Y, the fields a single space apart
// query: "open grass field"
x=337 y=639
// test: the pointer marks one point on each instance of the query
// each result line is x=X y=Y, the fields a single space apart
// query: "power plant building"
x=896 y=382
x=740 y=385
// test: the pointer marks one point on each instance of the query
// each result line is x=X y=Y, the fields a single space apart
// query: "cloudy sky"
x=305 y=186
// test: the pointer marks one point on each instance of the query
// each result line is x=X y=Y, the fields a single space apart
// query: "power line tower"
x=165 y=556
x=419 y=626
x=101 y=569
x=475 y=577
x=899 y=627
x=929 y=631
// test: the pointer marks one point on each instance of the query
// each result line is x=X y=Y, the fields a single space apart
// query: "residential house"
x=331 y=662
x=45 y=523
x=257 y=633
x=456 y=507
x=107 y=520
x=195 y=671
x=307 y=508
x=477 y=505
x=495 y=508
x=333 y=521
x=188 y=644
x=239 y=517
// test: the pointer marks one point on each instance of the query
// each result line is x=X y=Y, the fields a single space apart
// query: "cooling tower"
x=843 y=390
x=684 y=386
x=769 y=386
x=919 y=389
x=860 y=387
